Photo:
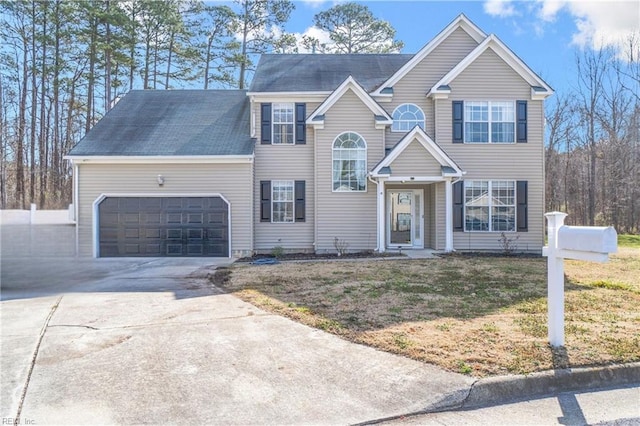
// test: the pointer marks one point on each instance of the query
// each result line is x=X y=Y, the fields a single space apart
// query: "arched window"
x=349 y=163
x=406 y=117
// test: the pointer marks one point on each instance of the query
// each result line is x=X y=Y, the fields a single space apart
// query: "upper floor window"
x=283 y=123
x=489 y=122
x=406 y=117
x=349 y=163
x=490 y=205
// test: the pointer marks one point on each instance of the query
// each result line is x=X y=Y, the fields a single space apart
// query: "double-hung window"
x=283 y=123
x=489 y=122
x=282 y=199
x=490 y=205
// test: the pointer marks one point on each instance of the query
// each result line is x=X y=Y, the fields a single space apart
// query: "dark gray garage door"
x=154 y=226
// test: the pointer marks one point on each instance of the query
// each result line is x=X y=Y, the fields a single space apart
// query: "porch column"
x=448 y=216
x=381 y=216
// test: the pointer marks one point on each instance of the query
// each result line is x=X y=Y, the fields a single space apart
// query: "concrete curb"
x=505 y=389
x=498 y=390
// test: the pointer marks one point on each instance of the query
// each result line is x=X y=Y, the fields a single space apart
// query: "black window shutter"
x=301 y=126
x=458 y=206
x=300 y=204
x=521 y=208
x=265 y=123
x=265 y=201
x=521 y=121
x=458 y=121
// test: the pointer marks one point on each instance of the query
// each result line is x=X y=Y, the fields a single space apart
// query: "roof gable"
x=460 y=22
x=448 y=166
x=350 y=84
x=539 y=88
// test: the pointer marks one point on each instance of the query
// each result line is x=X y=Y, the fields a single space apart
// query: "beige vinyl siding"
x=490 y=78
x=233 y=181
x=415 y=160
x=285 y=162
x=414 y=86
x=350 y=216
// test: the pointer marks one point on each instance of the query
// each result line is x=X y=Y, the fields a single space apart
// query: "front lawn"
x=629 y=240
x=470 y=314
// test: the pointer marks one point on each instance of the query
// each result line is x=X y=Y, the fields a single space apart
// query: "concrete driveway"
x=108 y=341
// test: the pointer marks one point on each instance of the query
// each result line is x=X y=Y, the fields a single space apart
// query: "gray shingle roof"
x=172 y=122
x=309 y=73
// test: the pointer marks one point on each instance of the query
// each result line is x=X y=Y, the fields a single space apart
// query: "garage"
x=163 y=226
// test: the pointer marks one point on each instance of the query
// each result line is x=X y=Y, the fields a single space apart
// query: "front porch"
x=415 y=195
x=413 y=215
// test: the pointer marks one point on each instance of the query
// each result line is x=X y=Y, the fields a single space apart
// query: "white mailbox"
x=592 y=243
x=594 y=239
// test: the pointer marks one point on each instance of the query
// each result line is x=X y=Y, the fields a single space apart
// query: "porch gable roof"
x=448 y=167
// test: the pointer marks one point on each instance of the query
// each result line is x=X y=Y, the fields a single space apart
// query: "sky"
x=543 y=33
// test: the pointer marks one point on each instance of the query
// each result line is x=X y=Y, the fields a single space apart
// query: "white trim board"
x=157 y=159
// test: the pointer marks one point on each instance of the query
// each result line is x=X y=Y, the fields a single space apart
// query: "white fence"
x=37 y=217
x=37 y=233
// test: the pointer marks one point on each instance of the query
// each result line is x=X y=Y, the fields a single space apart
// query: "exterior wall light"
x=160 y=180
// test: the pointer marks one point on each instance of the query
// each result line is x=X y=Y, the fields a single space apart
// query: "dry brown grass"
x=476 y=315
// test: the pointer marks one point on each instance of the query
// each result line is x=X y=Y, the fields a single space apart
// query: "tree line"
x=593 y=141
x=63 y=65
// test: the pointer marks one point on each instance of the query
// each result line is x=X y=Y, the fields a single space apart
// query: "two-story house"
x=442 y=149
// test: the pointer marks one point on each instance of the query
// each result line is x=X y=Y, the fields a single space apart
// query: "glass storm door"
x=404 y=210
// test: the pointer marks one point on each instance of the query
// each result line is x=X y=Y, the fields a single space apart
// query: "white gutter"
x=138 y=159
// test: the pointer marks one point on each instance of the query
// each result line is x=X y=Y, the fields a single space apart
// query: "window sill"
x=489 y=143
x=491 y=232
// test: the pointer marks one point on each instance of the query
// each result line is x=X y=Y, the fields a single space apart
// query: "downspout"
x=315 y=190
x=76 y=206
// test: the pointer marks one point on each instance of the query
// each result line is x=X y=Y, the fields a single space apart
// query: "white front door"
x=405 y=213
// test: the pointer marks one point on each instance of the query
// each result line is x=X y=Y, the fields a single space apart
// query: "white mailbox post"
x=592 y=243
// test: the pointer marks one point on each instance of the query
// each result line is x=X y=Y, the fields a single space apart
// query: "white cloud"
x=604 y=23
x=501 y=8
x=314 y=3
x=598 y=23
x=549 y=9
x=321 y=35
